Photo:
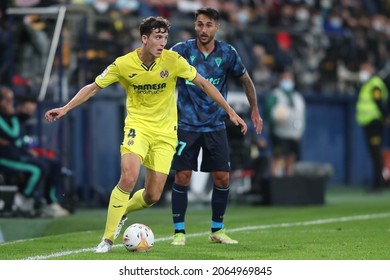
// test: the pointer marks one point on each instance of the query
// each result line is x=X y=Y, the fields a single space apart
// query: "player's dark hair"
x=154 y=23
x=208 y=12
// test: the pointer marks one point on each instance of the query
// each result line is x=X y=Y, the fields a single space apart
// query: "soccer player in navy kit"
x=149 y=75
x=202 y=123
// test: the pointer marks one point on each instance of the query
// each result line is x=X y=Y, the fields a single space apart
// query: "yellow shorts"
x=156 y=150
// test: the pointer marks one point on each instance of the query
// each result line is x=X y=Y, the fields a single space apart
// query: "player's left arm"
x=214 y=94
x=250 y=92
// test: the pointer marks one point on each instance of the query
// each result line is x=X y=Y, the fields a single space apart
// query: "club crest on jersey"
x=218 y=61
x=130 y=142
x=164 y=74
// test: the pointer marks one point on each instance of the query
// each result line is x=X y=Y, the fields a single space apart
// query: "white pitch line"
x=282 y=225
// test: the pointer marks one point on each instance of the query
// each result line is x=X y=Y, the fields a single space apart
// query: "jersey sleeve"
x=185 y=70
x=178 y=48
x=238 y=66
x=109 y=76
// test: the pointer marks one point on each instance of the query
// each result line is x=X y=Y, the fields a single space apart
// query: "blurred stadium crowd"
x=323 y=41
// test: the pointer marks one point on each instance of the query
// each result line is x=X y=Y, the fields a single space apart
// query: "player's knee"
x=221 y=179
x=222 y=182
x=127 y=182
x=151 y=198
x=183 y=178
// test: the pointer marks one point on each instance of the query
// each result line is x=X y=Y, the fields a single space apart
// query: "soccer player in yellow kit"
x=149 y=75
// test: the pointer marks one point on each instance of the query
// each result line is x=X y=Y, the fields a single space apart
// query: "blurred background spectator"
x=39 y=177
x=322 y=40
x=5 y=51
x=372 y=113
x=286 y=117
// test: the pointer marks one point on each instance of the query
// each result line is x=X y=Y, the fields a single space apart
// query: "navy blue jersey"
x=196 y=110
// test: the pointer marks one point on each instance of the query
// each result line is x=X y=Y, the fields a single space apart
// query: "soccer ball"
x=138 y=238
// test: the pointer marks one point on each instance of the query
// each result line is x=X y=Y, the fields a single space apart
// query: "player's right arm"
x=214 y=94
x=81 y=96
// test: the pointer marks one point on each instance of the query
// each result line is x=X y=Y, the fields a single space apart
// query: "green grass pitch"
x=351 y=225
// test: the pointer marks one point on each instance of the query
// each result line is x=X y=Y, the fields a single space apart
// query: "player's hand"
x=257 y=122
x=55 y=114
x=238 y=121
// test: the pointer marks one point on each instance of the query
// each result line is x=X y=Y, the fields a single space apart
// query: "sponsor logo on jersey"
x=214 y=81
x=149 y=88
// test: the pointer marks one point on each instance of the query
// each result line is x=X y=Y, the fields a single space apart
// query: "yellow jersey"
x=150 y=91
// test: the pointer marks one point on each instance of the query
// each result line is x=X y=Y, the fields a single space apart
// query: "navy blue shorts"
x=215 y=151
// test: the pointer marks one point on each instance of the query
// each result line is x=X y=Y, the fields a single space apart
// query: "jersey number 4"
x=131 y=133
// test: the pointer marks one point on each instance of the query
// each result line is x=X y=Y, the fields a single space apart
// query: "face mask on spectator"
x=101 y=7
x=364 y=76
x=287 y=85
x=378 y=26
x=243 y=17
x=302 y=15
x=317 y=20
x=336 y=22
x=326 y=4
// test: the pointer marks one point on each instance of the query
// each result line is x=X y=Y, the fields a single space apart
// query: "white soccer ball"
x=138 y=238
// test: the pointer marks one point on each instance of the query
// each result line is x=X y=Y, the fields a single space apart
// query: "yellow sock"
x=116 y=209
x=137 y=202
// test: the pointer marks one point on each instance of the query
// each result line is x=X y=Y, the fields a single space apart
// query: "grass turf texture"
x=351 y=225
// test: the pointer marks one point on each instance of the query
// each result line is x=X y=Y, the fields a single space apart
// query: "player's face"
x=156 y=42
x=205 y=28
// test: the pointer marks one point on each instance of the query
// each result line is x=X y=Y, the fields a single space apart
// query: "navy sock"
x=219 y=200
x=179 y=206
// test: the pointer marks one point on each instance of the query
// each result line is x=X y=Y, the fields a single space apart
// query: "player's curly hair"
x=152 y=23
